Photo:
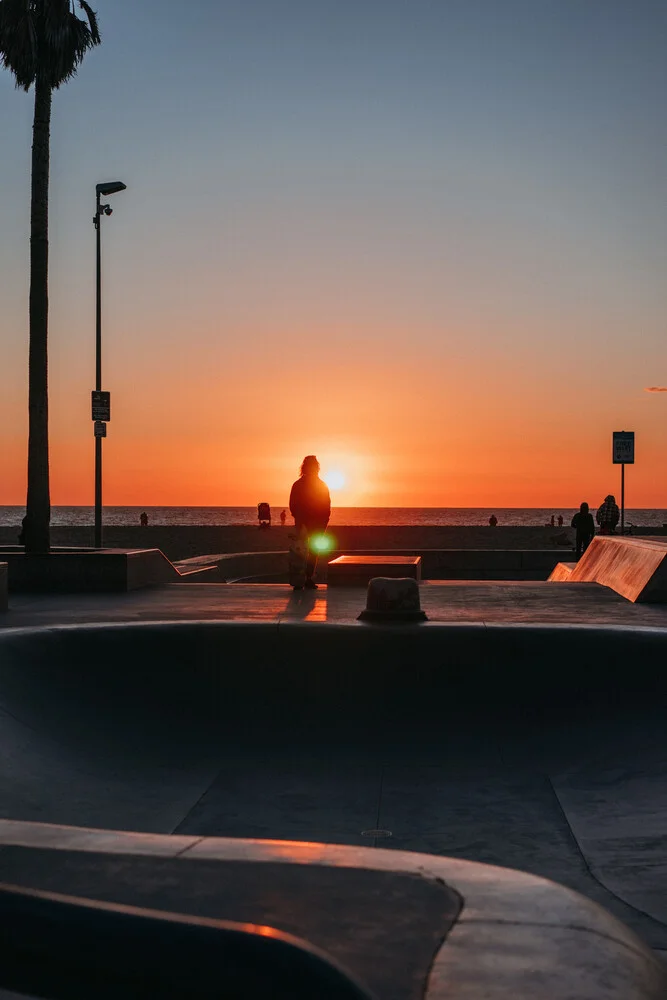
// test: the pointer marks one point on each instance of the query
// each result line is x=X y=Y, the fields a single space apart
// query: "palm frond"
x=68 y=38
x=92 y=21
x=18 y=40
x=45 y=38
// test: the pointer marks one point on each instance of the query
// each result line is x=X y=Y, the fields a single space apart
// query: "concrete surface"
x=524 y=725
x=394 y=922
x=461 y=601
x=231 y=567
x=636 y=568
x=407 y=925
x=358 y=569
x=436 y=564
x=182 y=541
x=85 y=570
x=529 y=746
x=562 y=573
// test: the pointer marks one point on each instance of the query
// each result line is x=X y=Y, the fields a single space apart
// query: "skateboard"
x=298 y=554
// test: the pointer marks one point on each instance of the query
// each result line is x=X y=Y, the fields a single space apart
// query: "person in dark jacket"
x=607 y=515
x=584 y=525
x=310 y=505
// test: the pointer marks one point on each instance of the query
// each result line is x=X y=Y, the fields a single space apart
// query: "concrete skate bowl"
x=538 y=748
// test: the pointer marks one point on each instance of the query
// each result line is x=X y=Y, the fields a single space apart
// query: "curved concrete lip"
x=453 y=627
x=517 y=936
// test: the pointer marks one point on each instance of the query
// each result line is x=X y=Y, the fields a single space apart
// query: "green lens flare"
x=321 y=543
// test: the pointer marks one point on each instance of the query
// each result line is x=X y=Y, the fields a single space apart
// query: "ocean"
x=644 y=517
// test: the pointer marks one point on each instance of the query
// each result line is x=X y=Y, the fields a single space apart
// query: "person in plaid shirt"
x=608 y=515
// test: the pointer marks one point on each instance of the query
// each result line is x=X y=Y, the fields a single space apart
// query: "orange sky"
x=427 y=244
x=402 y=434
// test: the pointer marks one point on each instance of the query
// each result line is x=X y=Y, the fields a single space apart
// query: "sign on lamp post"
x=623 y=453
x=101 y=405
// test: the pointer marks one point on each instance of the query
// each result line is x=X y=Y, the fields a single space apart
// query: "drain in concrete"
x=376 y=833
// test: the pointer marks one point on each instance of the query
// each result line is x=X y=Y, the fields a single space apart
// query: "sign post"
x=101 y=413
x=623 y=453
x=101 y=405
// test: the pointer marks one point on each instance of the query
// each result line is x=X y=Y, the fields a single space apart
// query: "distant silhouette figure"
x=553 y=521
x=143 y=518
x=584 y=525
x=493 y=520
x=560 y=520
x=310 y=505
x=283 y=517
x=264 y=515
x=607 y=515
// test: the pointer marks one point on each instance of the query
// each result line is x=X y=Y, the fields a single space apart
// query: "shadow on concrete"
x=301 y=604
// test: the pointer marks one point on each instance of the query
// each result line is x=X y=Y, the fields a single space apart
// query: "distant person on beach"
x=143 y=518
x=560 y=520
x=493 y=520
x=283 y=518
x=553 y=521
x=310 y=505
x=584 y=525
x=607 y=515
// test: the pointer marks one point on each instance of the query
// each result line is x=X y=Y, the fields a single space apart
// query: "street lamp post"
x=101 y=406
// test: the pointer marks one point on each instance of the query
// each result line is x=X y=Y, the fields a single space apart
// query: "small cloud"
x=656 y=388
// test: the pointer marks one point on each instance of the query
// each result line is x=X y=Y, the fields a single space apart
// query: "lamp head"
x=111 y=187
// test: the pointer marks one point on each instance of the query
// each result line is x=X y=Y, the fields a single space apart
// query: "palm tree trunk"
x=38 y=514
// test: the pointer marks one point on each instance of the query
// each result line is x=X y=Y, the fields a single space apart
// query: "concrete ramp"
x=636 y=568
x=562 y=573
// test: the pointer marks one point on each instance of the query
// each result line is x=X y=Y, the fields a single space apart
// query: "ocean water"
x=11 y=516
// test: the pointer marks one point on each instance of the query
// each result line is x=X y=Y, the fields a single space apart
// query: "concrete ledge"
x=562 y=572
x=77 y=570
x=636 y=568
x=516 y=936
x=477 y=564
x=183 y=541
x=357 y=570
x=436 y=564
x=236 y=567
x=3 y=586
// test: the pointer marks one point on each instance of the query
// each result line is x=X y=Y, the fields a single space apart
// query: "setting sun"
x=335 y=479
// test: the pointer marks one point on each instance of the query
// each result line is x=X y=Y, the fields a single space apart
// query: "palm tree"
x=42 y=42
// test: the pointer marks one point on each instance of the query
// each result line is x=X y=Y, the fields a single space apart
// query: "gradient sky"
x=424 y=239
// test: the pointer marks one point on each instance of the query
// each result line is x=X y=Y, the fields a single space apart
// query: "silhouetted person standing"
x=584 y=525
x=283 y=518
x=607 y=515
x=143 y=519
x=310 y=505
x=560 y=520
x=493 y=520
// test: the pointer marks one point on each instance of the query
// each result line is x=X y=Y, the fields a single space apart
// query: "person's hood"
x=610 y=499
